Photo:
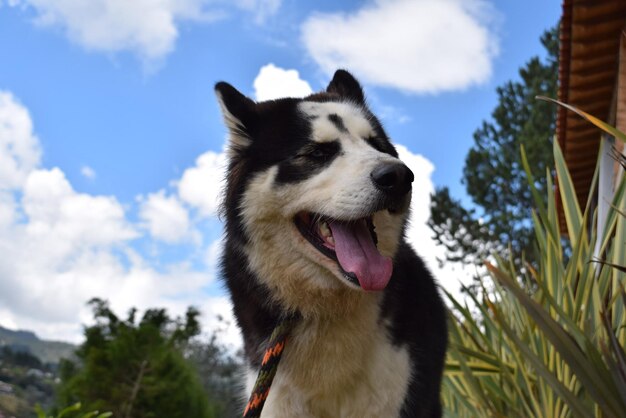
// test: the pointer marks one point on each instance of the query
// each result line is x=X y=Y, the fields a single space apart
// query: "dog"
x=315 y=208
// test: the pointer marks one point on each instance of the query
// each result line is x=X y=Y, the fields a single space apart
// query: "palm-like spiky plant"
x=556 y=349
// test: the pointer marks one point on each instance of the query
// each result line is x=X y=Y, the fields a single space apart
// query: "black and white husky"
x=316 y=203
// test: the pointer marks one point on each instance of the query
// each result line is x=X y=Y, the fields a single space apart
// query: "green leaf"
x=97 y=414
x=597 y=122
x=478 y=368
x=40 y=412
x=596 y=380
x=617 y=352
x=457 y=386
x=573 y=216
x=538 y=200
x=72 y=408
x=471 y=382
x=606 y=263
x=578 y=408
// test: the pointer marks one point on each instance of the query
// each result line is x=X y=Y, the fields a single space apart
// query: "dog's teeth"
x=325 y=231
x=331 y=240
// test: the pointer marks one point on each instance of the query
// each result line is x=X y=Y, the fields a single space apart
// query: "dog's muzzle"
x=393 y=180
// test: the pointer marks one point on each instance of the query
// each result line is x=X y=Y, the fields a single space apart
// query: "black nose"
x=392 y=178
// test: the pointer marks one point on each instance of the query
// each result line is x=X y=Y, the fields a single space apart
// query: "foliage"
x=13 y=406
x=20 y=358
x=71 y=409
x=220 y=371
x=493 y=172
x=136 y=369
x=24 y=381
x=556 y=350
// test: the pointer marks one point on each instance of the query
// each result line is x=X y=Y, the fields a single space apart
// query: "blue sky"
x=113 y=136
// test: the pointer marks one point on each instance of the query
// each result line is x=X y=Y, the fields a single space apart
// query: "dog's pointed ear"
x=345 y=85
x=239 y=114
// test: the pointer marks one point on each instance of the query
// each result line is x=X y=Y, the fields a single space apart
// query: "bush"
x=136 y=368
x=73 y=409
x=547 y=340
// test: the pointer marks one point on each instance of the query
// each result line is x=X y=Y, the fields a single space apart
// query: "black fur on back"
x=417 y=319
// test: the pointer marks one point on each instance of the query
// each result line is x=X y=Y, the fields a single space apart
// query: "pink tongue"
x=358 y=254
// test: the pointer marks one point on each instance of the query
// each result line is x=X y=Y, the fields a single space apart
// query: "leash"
x=269 y=365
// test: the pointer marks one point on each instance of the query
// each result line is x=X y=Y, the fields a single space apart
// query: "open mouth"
x=351 y=244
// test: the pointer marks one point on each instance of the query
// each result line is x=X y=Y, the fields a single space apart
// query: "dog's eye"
x=318 y=153
x=321 y=152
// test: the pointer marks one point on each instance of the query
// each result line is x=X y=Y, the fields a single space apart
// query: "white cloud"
x=56 y=213
x=142 y=26
x=420 y=46
x=148 y=28
x=60 y=248
x=213 y=253
x=20 y=151
x=88 y=172
x=72 y=247
x=419 y=234
x=166 y=217
x=274 y=82
x=392 y=114
x=63 y=252
x=8 y=207
x=200 y=186
x=218 y=315
x=261 y=9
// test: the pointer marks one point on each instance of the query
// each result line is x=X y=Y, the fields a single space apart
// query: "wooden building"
x=592 y=77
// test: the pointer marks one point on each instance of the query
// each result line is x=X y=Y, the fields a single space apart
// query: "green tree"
x=220 y=371
x=20 y=358
x=493 y=174
x=136 y=369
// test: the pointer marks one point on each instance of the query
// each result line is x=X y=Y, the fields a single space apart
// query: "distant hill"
x=46 y=351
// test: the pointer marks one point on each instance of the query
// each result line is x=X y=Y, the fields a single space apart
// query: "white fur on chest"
x=344 y=367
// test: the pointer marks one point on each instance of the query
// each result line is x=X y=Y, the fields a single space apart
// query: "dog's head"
x=315 y=190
